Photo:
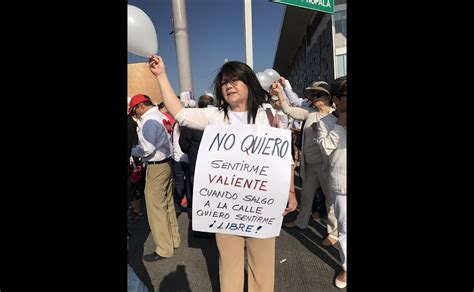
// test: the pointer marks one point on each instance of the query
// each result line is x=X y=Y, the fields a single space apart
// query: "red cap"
x=136 y=100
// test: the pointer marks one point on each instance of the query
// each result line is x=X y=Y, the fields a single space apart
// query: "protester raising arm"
x=294 y=112
x=292 y=97
x=157 y=67
x=174 y=106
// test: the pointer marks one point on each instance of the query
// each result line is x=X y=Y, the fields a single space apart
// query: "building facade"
x=312 y=46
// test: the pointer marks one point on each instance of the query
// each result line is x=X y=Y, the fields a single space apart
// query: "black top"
x=189 y=141
x=132 y=136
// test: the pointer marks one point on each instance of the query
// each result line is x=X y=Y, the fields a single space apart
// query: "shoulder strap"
x=273 y=120
x=269 y=116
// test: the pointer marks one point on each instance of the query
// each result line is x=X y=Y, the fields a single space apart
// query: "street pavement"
x=302 y=262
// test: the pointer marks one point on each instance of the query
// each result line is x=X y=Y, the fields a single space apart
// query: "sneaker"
x=152 y=257
x=292 y=225
x=341 y=280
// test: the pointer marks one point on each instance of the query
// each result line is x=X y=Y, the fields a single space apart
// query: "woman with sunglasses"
x=313 y=163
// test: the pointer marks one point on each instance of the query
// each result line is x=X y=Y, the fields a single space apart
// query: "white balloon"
x=142 y=39
x=272 y=74
x=265 y=80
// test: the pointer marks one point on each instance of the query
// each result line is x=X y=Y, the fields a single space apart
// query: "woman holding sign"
x=240 y=98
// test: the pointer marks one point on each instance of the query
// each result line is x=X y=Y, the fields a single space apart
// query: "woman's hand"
x=292 y=203
x=156 y=65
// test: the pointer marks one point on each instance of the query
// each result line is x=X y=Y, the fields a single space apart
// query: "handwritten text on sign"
x=242 y=180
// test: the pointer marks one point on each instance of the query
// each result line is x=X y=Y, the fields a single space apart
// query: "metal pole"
x=248 y=32
x=180 y=25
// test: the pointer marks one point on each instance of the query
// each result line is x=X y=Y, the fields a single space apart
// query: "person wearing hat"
x=155 y=149
x=332 y=137
x=313 y=164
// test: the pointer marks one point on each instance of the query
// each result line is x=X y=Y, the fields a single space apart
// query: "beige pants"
x=160 y=208
x=261 y=263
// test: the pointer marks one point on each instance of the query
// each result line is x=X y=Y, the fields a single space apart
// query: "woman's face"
x=320 y=99
x=235 y=92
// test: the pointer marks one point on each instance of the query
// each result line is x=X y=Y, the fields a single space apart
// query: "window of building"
x=339 y=22
x=341 y=65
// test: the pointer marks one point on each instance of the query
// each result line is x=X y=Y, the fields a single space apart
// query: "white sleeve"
x=328 y=138
x=196 y=118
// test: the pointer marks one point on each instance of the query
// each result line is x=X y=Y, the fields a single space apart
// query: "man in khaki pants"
x=154 y=147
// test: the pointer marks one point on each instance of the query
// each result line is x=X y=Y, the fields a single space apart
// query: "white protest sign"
x=242 y=180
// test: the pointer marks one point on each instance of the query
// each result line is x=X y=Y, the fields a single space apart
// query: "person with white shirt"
x=239 y=101
x=313 y=163
x=155 y=149
x=332 y=138
x=189 y=141
x=285 y=122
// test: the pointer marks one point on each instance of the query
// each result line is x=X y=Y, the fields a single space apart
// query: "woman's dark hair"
x=241 y=71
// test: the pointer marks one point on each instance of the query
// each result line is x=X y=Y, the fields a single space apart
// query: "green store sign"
x=320 y=5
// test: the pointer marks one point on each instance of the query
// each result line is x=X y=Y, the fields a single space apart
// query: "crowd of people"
x=163 y=147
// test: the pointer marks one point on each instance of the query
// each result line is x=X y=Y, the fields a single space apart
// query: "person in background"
x=285 y=120
x=239 y=98
x=313 y=165
x=180 y=172
x=189 y=141
x=135 y=187
x=332 y=138
x=155 y=149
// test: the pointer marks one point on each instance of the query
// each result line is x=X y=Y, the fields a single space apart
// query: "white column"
x=248 y=32
x=180 y=25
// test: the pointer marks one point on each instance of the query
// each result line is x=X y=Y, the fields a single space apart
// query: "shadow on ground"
x=139 y=233
x=207 y=243
x=312 y=241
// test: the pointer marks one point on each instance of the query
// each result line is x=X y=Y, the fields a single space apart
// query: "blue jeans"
x=133 y=282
